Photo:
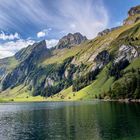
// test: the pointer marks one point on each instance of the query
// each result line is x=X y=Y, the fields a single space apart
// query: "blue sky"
x=22 y=22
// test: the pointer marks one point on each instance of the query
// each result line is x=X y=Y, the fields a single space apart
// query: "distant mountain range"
x=107 y=66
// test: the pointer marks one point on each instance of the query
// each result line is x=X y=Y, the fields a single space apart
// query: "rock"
x=134 y=10
x=126 y=52
x=106 y=31
x=133 y=16
x=102 y=59
x=33 y=50
x=49 y=82
x=2 y=71
x=66 y=73
x=70 y=40
x=24 y=69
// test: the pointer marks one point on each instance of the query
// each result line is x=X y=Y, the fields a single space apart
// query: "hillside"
x=107 y=66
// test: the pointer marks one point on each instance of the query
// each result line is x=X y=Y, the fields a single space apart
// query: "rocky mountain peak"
x=133 y=15
x=37 y=49
x=70 y=40
x=134 y=10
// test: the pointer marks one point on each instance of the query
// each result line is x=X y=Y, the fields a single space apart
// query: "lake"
x=83 y=120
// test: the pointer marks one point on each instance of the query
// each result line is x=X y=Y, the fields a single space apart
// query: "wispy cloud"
x=88 y=17
x=43 y=33
x=85 y=16
x=4 y=36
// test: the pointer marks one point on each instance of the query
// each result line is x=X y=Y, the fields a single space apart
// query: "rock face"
x=3 y=63
x=33 y=51
x=70 y=40
x=127 y=52
x=106 y=31
x=26 y=67
x=133 y=16
x=134 y=10
x=102 y=59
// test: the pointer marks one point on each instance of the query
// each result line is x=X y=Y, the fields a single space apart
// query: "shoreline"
x=122 y=100
x=45 y=100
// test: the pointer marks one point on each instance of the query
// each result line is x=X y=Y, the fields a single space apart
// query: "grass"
x=19 y=94
x=61 y=54
x=9 y=63
x=100 y=85
x=134 y=64
x=66 y=95
x=93 y=47
x=19 y=91
x=29 y=99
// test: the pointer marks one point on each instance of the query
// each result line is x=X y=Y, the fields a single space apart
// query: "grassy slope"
x=103 y=83
x=19 y=94
x=135 y=64
x=60 y=55
x=100 y=85
x=9 y=63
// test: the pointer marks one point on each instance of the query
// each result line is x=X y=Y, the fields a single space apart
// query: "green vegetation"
x=127 y=87
x=85 y=80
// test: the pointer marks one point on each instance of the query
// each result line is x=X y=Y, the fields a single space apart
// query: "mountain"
x=107 y=66
x=70 y=40
x=133 y=15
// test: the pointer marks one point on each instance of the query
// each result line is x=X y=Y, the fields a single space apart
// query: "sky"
x=23 y=22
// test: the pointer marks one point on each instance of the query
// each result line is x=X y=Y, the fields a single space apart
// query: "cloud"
x=51 y=43
x=88 y=17
x=10 y=48
x=4 y=36
x=85 y=16
x=43 y=33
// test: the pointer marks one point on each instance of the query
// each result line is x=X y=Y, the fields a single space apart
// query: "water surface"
x=88 y=120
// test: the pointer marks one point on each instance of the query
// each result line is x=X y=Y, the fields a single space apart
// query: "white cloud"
x=88 y=17
x=5 y=36
x=10 y=48
x=51 y=43
x=43 y=33
x=85 y=16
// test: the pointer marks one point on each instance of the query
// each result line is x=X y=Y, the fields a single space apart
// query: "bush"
x=115 y=69
x=85 y=80
x=126 y=87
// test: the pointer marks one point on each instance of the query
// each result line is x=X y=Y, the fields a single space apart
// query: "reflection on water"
x=70 y=121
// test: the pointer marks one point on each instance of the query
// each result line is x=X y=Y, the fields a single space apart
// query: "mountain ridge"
x=70 y=40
